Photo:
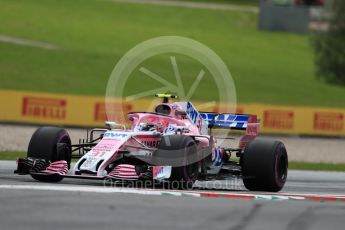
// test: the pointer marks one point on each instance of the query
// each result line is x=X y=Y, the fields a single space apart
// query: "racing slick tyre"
x=181 y=152
x=264 y=165
x=51 y=144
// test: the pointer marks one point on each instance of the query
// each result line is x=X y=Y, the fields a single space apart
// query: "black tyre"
x=264 y=165
x=51 y=144
x=180 y=152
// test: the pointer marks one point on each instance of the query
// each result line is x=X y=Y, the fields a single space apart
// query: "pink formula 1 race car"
x=173 y=145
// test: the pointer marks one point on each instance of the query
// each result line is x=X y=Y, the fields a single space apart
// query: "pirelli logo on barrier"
x=278 y=119
x=44 y=108
x=329 y=121
x=100 y=114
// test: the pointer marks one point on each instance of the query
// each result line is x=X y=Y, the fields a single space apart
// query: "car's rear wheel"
x=51 y=144
x=180 y=152
x=264 y=165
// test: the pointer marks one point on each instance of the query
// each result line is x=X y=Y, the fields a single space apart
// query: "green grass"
x=317 y=166
x=10 y=155
x=267 y=67
x=234 y=2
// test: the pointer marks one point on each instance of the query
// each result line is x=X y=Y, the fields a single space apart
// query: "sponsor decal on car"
x=44 y=108
x=89 y=162
x=151 y=144
x=115 y=135
x=161 y=172
x=193 y=114
x=105 y=146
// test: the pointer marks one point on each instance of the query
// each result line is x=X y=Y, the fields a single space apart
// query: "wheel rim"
x=189 y=170
x=281 y=169
x=65 y=139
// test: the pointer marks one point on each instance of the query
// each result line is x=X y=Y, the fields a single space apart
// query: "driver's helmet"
x=150 y=126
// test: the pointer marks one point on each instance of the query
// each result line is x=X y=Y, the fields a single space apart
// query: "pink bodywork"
x=116 y=144
x=57 y=167
x=108 y=147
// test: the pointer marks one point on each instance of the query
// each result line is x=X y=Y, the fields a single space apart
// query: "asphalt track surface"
x=86 y=204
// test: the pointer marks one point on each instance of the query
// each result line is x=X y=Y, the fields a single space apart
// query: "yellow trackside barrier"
x=89 y=111
x=299 y=120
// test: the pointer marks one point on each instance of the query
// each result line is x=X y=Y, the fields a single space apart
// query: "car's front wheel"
x=51 y=144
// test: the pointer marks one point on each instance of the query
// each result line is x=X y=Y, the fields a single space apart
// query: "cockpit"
x=165 y=116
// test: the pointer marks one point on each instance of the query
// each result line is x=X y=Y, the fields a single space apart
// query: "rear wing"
x=228 y=120
x=247 y=122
